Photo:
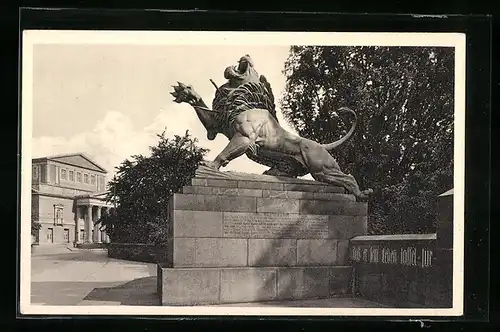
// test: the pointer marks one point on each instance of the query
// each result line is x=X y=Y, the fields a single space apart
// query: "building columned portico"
x=68 y=195
x=88 y=210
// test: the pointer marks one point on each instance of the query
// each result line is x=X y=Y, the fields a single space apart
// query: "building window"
x=92 y=179
x=71 y=176
x=58 y=215
x=85 y=178
x=63 y=174
x=78 y=177
x=35 y=172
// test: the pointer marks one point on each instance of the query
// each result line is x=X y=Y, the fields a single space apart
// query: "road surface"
x=74 y=277
x=88 y=277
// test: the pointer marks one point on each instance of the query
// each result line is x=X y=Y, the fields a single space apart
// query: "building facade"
x=67 y=197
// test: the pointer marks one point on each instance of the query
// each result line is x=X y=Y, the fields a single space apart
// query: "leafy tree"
x=403 y=144
x=143 y=187
x=35 y=227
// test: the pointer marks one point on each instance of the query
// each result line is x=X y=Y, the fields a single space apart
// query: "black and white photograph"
x=242 y=173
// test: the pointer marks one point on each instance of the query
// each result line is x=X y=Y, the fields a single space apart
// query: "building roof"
x=78 y=159
x=99 y=195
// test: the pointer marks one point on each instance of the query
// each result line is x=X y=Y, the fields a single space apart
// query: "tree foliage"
x=143 y=187
x=403 y=144
x=35 y=227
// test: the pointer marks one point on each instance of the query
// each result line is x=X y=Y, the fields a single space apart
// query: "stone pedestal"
x=242 y=238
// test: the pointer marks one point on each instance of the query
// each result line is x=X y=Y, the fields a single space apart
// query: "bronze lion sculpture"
x=244 y=112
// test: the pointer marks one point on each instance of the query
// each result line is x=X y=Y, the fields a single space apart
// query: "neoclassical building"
x=67 y=196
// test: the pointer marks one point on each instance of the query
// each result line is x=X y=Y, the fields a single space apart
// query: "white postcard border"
x=32 y=37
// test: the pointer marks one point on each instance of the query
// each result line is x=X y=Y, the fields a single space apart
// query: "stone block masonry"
x=211 y=238
x=219 y=252
x=244 y=238
x=204 y=286
x=266 y=225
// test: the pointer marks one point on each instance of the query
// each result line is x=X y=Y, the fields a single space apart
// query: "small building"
x=67 y=196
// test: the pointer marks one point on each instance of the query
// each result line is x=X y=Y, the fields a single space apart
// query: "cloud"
x=114 y=139
x=110 y=141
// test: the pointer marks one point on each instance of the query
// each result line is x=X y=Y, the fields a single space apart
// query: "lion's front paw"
x=210 y=164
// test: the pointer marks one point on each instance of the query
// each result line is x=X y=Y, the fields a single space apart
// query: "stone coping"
x=204 y=172
x=395 y=237
x=316 y=193
x=226 y=203
x=137 y=244
x=95 y=245
x=276 y=185
x=448 y=193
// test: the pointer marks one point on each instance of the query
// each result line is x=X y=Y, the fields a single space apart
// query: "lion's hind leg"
x=336 y=177
x=324 y=168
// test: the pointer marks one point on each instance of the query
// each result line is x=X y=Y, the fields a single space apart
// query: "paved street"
x=68 y=276
x=88 y=277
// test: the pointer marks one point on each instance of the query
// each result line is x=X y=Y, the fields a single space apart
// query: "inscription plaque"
x=275 y=225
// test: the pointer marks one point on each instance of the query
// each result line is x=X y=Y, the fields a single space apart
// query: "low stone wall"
x=91 y=245
x=139 y=252
x=401 y=271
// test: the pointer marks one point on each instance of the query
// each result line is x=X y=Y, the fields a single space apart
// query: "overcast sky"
x=110 y=101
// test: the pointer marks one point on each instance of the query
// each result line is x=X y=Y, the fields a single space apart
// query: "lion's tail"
x=331 y=146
